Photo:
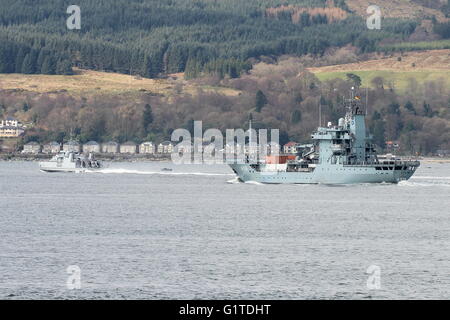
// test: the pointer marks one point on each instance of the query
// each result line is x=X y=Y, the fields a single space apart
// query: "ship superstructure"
x=340 y=154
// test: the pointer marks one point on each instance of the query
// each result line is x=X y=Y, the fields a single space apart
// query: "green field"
x=399 y=79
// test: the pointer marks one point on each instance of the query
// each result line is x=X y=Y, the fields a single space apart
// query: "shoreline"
x=101 y=157
x=146 y=157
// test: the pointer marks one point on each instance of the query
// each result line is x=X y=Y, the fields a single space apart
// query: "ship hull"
x=69 y=162
x=336 y=174
x=52 y=167
x=68 y=170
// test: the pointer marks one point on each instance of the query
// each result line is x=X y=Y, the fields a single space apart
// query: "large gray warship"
x=339 y=154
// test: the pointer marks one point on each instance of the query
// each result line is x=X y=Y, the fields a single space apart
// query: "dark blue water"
x=138 y=233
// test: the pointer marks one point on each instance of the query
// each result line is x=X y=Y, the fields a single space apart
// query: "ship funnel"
x=341 y=122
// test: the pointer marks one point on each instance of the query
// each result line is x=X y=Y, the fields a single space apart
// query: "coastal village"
x=11 y=130
x=110 y=147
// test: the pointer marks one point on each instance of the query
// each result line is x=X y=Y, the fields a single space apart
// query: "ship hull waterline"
x=327 y=175
x=66 y=170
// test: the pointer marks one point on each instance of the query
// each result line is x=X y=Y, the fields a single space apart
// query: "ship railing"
x=411 y=162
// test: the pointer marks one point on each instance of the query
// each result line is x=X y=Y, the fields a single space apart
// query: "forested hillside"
x=284 y=96
x=220 y=61
x=153 y=37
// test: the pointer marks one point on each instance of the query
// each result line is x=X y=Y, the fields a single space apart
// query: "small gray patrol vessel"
x=70 y=162
x=342 y=154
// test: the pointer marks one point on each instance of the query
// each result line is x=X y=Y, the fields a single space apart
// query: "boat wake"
x=254 y=183
x=234 y=181
x=430 y=178
x=423 y=181
x=170 y=173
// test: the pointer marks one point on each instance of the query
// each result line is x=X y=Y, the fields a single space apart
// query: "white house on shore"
x=91 y=147
x=290 y=148
x=32 y=148
x=72 y=146
x=110 y=147
x=128 y=147
x=51 y=148
x=165 y=147
x=11 y=128
x=147 y=148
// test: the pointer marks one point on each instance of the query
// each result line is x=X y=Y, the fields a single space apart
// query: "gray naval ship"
x=70 y=162
x=342 y=154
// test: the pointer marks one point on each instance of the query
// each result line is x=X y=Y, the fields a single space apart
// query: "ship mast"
x=250 y=137
x=320 y=114
x=250 y=131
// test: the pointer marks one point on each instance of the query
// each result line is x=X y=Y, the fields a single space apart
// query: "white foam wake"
x=412 y=183
x=234 y=181
x=431 y=178
x=254 y=183
x=128 y=171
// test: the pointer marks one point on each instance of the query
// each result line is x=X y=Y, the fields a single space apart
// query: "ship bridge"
x=348 y=142
x=336 y=133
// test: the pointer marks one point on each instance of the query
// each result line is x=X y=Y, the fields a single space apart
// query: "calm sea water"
x=139 y=233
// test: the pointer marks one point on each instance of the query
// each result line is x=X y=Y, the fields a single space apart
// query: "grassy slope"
x=87 y=82
x=398 y=79
x=429 y=65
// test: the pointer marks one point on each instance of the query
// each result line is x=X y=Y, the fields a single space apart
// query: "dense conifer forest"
x=256 y=49
x=154 y=37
